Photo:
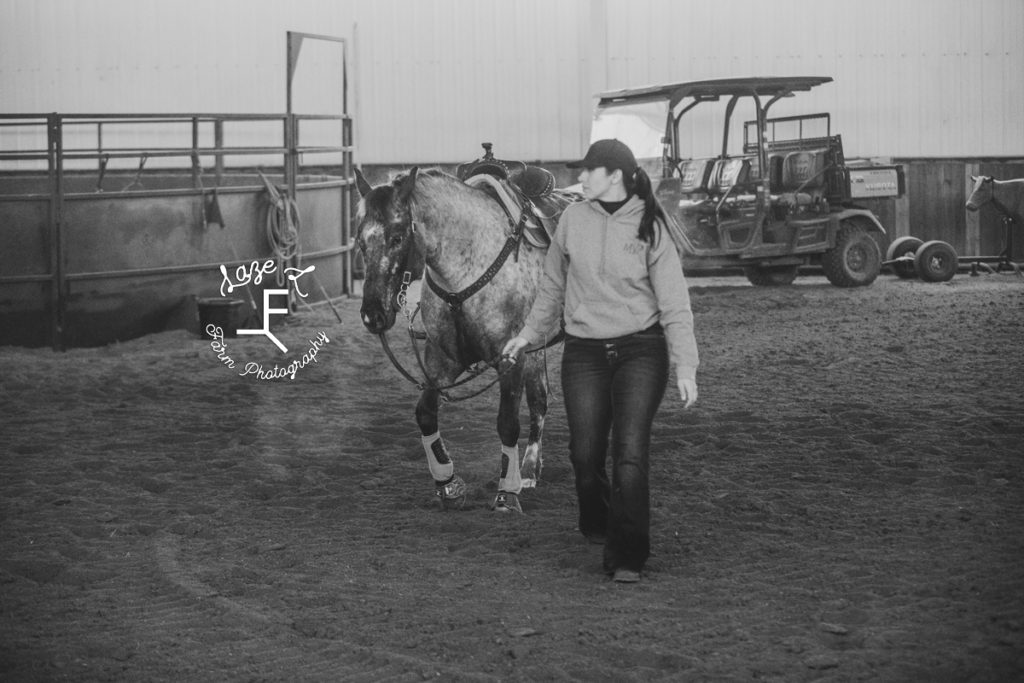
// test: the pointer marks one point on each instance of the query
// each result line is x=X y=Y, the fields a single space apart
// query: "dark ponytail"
x=639 y=183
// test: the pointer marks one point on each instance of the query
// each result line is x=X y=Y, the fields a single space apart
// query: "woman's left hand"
x=687 y=391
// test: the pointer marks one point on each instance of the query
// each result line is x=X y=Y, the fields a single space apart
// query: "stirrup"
x=507 y=502
x=451 y=495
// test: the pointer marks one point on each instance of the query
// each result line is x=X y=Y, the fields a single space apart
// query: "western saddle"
x=520 y=189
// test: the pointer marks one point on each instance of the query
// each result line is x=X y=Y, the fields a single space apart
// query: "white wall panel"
x=435 y=79
x=431 y=79
x=912 y=77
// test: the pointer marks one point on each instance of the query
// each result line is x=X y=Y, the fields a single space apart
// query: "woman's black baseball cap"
x=611 y=154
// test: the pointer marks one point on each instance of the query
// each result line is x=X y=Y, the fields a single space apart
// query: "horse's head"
x=982 y=193
x=385 y=237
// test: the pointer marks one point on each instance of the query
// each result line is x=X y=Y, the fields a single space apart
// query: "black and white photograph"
x=512 y=340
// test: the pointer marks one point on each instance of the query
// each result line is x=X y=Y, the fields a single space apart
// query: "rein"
x=414 y=336
x=455 y=301
x=475 y=371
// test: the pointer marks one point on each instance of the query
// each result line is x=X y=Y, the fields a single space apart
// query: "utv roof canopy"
x=710 y=90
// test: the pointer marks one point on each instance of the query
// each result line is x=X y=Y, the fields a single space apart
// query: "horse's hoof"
x=507 y=502
x=451 y=496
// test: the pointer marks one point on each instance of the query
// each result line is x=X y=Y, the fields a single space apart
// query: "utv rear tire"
x=856 y=258
x=903 y=247
x=936 y=261
x=770 y=276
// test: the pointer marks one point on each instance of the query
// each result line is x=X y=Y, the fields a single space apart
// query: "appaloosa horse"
x=479 y=283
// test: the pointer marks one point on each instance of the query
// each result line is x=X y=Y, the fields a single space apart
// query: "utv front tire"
x=855 y=260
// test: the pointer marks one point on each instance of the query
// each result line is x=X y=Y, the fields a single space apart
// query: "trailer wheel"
x=936 y=261
x=770 y=276
x=903 y=247
x=856 y=258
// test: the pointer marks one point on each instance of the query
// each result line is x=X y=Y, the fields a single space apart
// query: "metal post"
x=346 y=171
x=55 y=171
x=294 y=44
x=218 y=143
x=292 y=134
x=346 y=206
x=291 y=128
x=195 y=153
x=99 y=146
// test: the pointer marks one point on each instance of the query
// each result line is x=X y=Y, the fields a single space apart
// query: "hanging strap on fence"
x=137 y=181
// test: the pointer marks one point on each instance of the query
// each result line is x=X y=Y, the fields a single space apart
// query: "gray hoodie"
x=610 y=283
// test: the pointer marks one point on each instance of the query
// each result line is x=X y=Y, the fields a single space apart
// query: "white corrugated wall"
x=916 y=78
x=431 y=79
x=437 y=78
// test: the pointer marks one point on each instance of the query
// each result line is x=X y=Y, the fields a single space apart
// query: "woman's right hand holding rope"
x=513 y=347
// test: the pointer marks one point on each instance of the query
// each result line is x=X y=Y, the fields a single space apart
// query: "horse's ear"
x=974 y=178
x=407 y=184
x=361 y=184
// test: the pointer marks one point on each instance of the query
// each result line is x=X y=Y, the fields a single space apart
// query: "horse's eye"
x=396 y=241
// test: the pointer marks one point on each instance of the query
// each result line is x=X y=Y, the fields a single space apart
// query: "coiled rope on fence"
x=282 y=227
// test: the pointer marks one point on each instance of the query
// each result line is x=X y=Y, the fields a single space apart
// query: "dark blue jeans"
x=613 y=387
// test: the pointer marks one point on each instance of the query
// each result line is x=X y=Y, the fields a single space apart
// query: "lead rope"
x=478 y=369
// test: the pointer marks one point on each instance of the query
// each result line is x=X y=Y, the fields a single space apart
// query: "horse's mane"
x=432 y=172
x=436 y=186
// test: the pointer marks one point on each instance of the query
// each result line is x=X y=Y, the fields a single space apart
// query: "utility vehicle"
x=777 y=194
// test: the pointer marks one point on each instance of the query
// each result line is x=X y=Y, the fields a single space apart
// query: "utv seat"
x=694 y=175
x=693 y=183
x=803 y=176
x=804 y=170
x=727 y=174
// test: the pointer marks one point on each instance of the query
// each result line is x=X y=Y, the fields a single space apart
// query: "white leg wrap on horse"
x=510 y=480
x=441 y=466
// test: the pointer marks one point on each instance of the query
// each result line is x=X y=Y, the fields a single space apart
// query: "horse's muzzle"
x=376 y=318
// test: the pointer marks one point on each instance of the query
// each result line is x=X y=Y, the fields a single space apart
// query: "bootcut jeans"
x=613 y=387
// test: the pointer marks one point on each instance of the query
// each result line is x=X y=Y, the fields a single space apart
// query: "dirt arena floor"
x=845 y=503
